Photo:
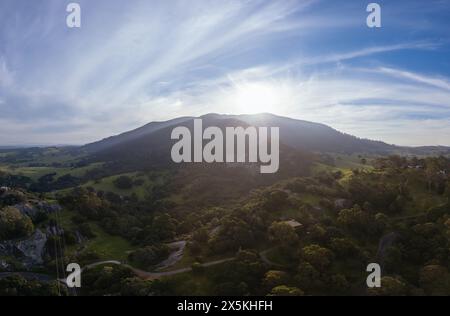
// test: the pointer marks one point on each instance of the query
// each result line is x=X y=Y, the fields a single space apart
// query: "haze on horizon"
x=140 y=61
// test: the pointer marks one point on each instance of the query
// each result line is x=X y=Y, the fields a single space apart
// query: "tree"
x=358 y=222
x=284 y=290
x=345 y=248
x=241 y=276
x=14 y=224
x=163 y=227
x=86 y=230
x=283 y=234
x=390 y=286
x=235 y=233
x=317 y=256
x=308 y=277
x=105 y=280
x=447 y=190
x=447 y=223
x=339 y=283
x=201 y=235
x=149 y=256
x=16 y=285
x=435 y=280
x=353 y=218
x=382 y=221
x=123 y=183
x=87 y=203
x=231 y=289
x=275 y=200
x=12 y=198
x=135 y=287
x=274 y=278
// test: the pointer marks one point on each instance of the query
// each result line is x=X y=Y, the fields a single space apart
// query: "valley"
x=146 y=226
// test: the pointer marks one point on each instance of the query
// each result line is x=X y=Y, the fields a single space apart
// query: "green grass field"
x=35 y=173
x=108 y=247
x=107 y=185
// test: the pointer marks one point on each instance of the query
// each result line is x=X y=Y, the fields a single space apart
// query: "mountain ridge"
x=296 y=133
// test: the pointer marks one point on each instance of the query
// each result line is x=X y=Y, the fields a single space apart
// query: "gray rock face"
x=33 y=210
x=4 y=265
x=48 y=207
x=27 y=209
x=33 y=248
x=6 y=248
x=3 y=190
x=29 y=251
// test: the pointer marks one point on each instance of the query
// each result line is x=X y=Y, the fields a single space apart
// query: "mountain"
x=132 y=135
x=153 y=142
x=316 y=137
x=153 y=149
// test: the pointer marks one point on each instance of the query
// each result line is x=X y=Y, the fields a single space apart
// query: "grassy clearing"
x=196 y=284
x=81 y=172
x=107 y=185
x=109 y=247
x=346 y=172
x=142 y=191
x=354 y=161
x=35 y=173
x=422 y=199
x=193 y=285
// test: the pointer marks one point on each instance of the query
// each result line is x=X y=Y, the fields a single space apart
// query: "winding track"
x=146 y=275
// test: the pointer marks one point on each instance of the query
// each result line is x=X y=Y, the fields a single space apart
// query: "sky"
x=133 y=62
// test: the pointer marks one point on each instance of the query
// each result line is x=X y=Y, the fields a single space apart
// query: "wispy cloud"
x=368 y=51
x=138 y=61
x=376 y=106
x=442 y=83
x=6 y=77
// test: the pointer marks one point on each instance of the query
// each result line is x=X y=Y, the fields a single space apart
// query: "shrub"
x=14 y=224
x=123 y=183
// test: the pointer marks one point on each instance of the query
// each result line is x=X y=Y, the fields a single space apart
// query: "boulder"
x=27 y=209
x=4 y=266
x=3 y=190
x=33 y=210
x=33 y=248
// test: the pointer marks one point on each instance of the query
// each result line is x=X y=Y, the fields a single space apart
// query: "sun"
x=257 y=97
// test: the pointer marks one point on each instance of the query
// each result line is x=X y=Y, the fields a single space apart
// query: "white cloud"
x=6 y=76
x=347 y=99
x=432 y=81
x=150 y=48
x=159 y=60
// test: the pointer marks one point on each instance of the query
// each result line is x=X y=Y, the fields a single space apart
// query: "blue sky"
x=133 y=62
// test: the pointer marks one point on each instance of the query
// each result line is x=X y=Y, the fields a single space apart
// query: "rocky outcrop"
x=29 y=251
x=4 y=266
x=34 y=210
x=33 y=248
x=28 y=210
x=4 y=190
